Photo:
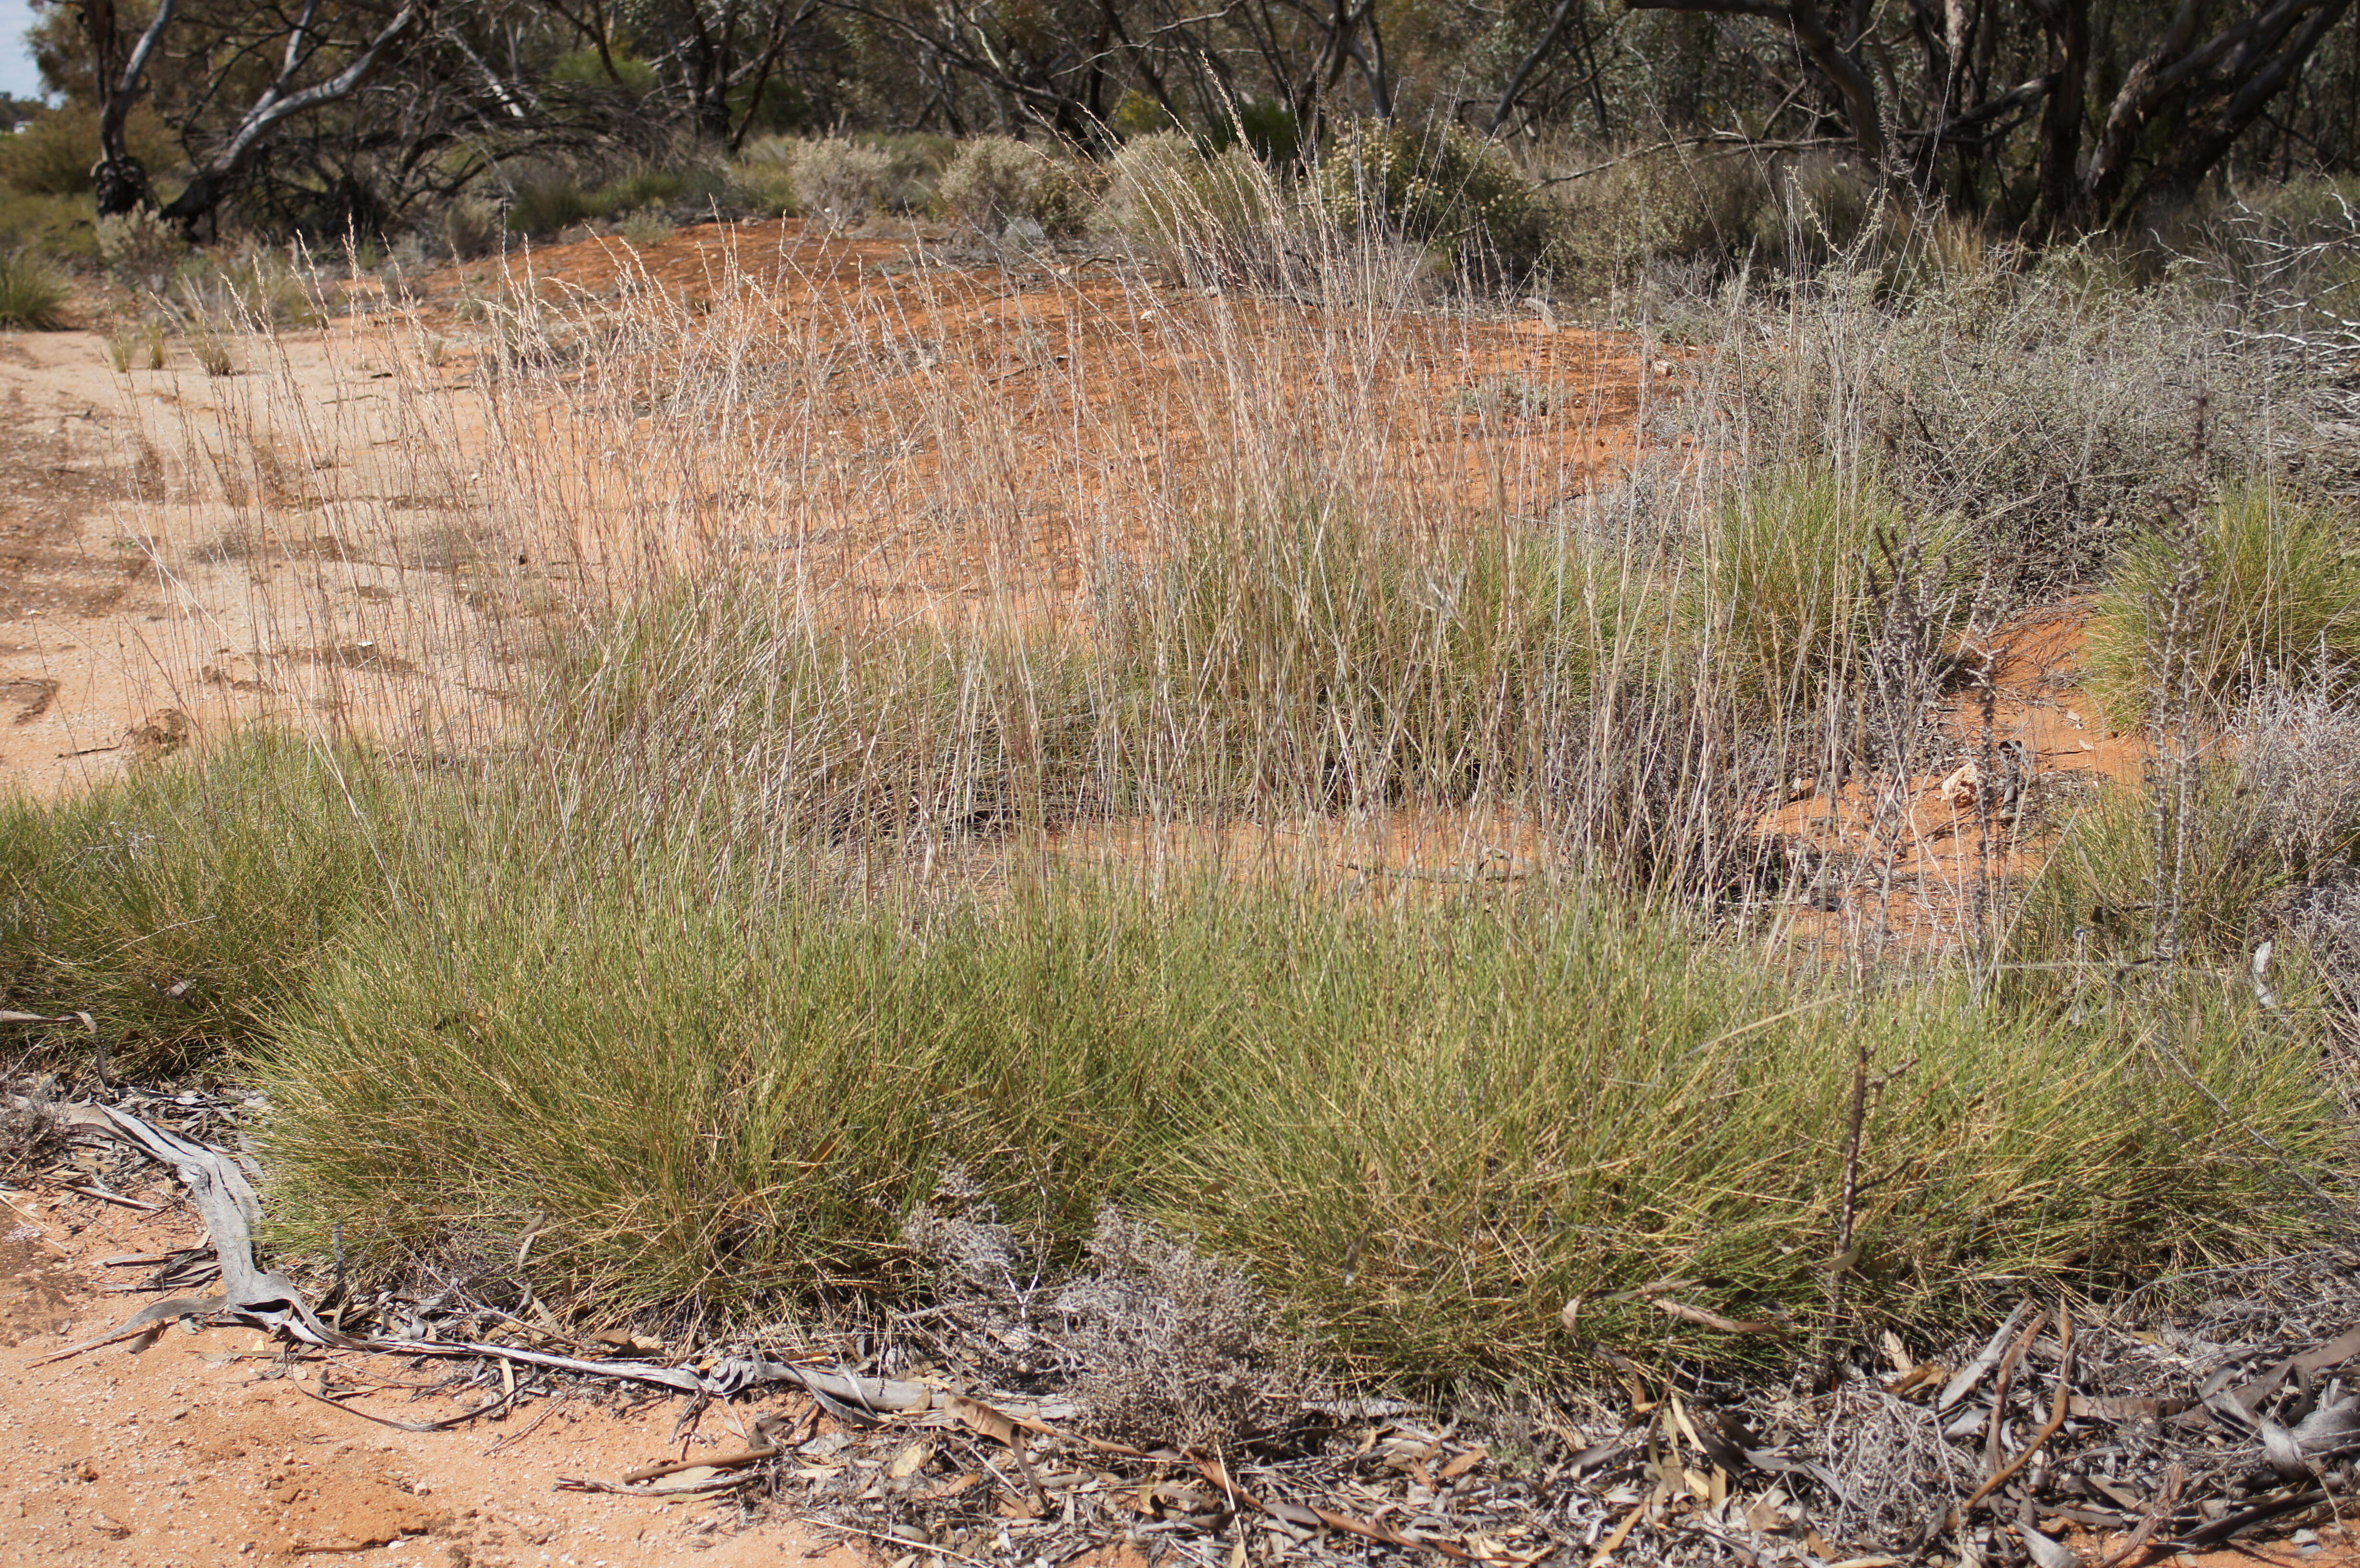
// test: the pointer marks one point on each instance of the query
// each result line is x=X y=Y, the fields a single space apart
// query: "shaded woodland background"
x=374 y=116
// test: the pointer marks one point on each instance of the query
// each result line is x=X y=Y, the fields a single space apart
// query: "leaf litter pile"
x=1147 y=1405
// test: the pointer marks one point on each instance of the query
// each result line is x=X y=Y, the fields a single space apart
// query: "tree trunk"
x=2060 y=200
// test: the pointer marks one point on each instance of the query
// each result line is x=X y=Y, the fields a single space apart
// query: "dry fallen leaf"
x=2049 y=1553
x=1715 y=1321
x=1464 y=1463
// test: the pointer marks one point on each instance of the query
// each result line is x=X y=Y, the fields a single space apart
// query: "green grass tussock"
x=1318 y=655
x=732 y=702
x=1306 y=659
x=2260 y=585
x=1424 y=1133
x=1457 y=1130
x=33 y=294
x=181 y=903
x=2182 y=866
x=716 y=1096
x=1800 y=570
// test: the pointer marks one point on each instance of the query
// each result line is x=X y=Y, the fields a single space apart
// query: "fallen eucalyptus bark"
x=225 y=1199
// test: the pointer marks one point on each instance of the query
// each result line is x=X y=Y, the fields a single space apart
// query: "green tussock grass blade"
x=33 y=293
x=183 y=901
x=1425 y=1134
x=2261 y=585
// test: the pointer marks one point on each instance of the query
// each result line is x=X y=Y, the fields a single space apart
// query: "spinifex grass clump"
x=1462 y=1123
x=1316 y=657
x=1799 y=569
x=33 y=294
x=2182 y=867
x=181 y=903
x=738 y=702
x=2260 y=584
x=740 y=1098
x=1424 y=1126
x=1304 y=659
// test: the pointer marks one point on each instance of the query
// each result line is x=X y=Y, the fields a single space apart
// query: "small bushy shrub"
x=228 y=291
x=1443 y=189
x=1817 y=208
x=470 y=229
x=657 y=187
x=1625 y=217
x=645 y=228
x=59 y=227
x=1215 y=219
x=585 y=67
x=2051 y=409
x=841 y=181
x=56 y=154
x=998 y=181
x=762 y=178
x=2259 y=584
x=545 y=204
x=140 y=250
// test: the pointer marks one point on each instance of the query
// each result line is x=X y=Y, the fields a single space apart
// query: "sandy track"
x=197 y=1452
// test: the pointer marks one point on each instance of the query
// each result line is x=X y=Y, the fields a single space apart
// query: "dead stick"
x=1859 y=1115
x=111 y=1197
x=2165 y=1500
x=2003 y=1385
x=719 y=1461
x=527 y=1432
x=2056 y=1422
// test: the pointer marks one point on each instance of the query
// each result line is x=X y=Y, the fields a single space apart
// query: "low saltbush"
x=838 y=180
x=999 y=182
x=1217 y=220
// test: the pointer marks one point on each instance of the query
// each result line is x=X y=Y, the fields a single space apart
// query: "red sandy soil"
x=196 y=1451
x=294 y=540
x=1937 y=845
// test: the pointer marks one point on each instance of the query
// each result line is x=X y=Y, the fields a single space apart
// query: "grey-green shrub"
x=839 y=180
x=996 y=182
x=1440 y=188
x=1217 y=220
